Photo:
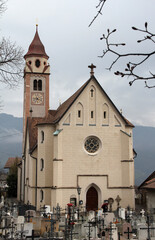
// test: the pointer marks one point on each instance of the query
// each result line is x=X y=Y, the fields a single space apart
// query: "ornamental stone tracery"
x=92 y=145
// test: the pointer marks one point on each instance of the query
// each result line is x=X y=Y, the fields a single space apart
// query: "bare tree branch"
x=131 y=67
x=2 y=6
x=100 y=7
x=11 y=63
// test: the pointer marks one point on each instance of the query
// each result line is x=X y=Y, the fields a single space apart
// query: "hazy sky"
x=72 y=46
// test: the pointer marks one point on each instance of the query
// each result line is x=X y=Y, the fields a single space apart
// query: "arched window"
x=35 y=84
x=105 y=117
x=39 y=85
x=41 y=164
x=41 y=195
x=42 y=136
x=80 y=114
x=91 y=92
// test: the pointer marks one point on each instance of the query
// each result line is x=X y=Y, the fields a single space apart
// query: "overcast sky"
x=72 y=46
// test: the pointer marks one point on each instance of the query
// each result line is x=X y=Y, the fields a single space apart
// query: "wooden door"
x=92 y=199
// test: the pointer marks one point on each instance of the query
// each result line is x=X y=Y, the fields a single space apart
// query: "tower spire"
x=36 y=47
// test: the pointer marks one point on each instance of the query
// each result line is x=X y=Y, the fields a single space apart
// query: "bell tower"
x=36 y=80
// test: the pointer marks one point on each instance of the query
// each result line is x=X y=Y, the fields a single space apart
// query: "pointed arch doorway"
x=92 y=199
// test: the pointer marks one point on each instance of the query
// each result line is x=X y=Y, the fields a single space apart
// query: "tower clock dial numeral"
x=37 y=98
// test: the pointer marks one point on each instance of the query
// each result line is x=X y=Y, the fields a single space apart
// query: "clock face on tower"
x=37 y=98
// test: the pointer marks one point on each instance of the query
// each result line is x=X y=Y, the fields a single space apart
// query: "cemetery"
x=18 y=221
x=75 y=180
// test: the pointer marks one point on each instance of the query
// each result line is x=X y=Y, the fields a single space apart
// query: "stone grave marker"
x=126 y=230
x=114 y=232
x=142 y=212
x=91 y=216
x=121 y=213
x=142 y=233
x=20 y=220
x=27 y=228
x=109 y=217
x=153 y=230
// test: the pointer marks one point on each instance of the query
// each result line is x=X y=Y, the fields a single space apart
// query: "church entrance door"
x=92 y=199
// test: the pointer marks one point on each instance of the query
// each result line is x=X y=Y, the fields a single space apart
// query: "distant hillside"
x=10 y=137
x=144 y=144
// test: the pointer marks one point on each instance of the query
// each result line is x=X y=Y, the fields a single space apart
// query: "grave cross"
x=32 y=237
x=52 y=221
x=128 y=232
x=22 y=231
x=110 y=230
x=142 y=212
x=8 y=227
x=28 y=216
x=89 y=229
x=69 y=230
x=148 y=228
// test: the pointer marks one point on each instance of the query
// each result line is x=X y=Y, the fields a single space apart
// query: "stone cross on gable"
x=92 y=66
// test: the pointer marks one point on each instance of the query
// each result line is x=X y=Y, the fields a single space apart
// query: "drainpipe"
x=35 y=181
x=23 y=182
x=20 y=190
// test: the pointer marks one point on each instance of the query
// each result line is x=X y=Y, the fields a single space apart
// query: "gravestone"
x=91 y=231
x=109 y=217
x=91 y=216
x=142 y=212
x=142 y=233
x=113 y=233
x=20 y=220
x=99 y=214
x=153 y=230
x=126 y=228
x=27 y=228
x=121 y=213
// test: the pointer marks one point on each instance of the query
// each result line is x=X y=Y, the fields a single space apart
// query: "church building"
x=83 y=150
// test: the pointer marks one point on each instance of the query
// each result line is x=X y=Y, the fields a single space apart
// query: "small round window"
x=37 y=63
x=92 y=144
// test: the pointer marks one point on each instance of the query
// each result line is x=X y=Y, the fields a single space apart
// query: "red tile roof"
x=36 y=47
x=11 y=161
x=149 y=183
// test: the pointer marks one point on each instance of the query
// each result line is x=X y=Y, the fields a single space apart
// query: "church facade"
x=85 y=144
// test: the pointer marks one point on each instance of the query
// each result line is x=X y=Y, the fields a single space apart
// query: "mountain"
x=144 y=144
x=11 y=129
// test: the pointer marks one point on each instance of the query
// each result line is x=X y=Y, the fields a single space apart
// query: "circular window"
x=92 y=144
x=37 y=63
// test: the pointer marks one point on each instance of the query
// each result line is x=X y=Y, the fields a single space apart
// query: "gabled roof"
x=11 y=161
x=54 y=116
x=36 y=47
x=149 y=183
x=63 y=108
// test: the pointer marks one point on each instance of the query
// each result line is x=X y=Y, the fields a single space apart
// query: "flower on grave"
x=70 y=205
x=72 y=223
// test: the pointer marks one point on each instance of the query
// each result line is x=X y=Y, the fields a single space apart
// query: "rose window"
x=92 y=145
